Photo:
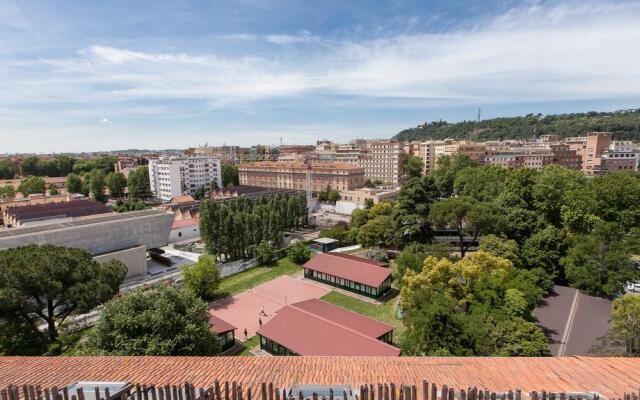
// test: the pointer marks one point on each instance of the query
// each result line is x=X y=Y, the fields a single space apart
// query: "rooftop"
x=64 y=209
x=299 y=165
x=356 y=269
x=310 y=330
x=608 y=376
x=65 y=225
x=219 y=325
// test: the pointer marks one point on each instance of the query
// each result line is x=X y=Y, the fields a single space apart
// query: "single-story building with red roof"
x=356 y=274
x=225 y=332
x=317 y=328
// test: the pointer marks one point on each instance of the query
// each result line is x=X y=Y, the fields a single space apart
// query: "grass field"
x=248 y=345
x=255 y=276
x=385 y=312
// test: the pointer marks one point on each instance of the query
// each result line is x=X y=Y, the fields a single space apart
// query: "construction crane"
x=309 y=188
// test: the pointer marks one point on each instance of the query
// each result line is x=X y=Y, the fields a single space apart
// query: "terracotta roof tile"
x=351 y=268
x=608 y=376
x=218 y=325
x=317 y=328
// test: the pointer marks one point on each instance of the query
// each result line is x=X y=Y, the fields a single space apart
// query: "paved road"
x=573 y=322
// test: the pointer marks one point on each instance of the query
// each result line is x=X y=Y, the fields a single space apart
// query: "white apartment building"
x=170 y=177
x=382 y=161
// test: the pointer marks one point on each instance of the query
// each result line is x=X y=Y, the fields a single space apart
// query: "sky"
x=106 y=75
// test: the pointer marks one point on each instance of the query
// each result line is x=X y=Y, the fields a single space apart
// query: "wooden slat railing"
x=268 y=391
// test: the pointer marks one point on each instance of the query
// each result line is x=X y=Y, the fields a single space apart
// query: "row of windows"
x=274 y=348
x=347 y=284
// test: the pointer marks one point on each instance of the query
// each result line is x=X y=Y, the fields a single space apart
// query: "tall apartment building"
x=596 y=144
x=427 y=152
x=382 y=161
x=294 y=175
x=171 y=177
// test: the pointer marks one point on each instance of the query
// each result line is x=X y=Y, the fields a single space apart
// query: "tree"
x=376 y=232
x=96 y=185
x=459 y=307
x=74 y=183
x=200 y=193
x=7 y=170
x=138 y=183
x=46 y=284
x=501 y=247
x=611 y=197
x=376 y=253
x=519 y=338
x=116 y=183
x=410 y=216
x=129 y=205
x=464 y=215
x=446 y=171
x=600 y=262
x=264 y=252
x=160 y=321
x=7 y=192
x=299 y=253
x=230 y=175
x=29 y=166
x=32 y=185
x=545 y=249
x=360 y=217
x=625 y=319
x=412 y=166
x=483 y=183
x=53 y=190
x=549 y=190
x=202 y=278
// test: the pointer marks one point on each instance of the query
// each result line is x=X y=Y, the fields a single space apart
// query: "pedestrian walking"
x=245 y=333
x=262 y=312
x=260 y=322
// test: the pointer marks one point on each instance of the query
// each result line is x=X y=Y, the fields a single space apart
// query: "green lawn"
x=385 y=312
x=248 y=345
x=255 y=276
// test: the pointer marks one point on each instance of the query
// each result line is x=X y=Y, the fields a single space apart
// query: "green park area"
x=255 y=276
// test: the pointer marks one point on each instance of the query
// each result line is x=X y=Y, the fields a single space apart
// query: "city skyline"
x=173 y=75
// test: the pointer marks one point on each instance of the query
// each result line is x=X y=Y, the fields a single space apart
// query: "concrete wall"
x=142 y=229
x=234 y=267
x=134 y=258
x=184 y=233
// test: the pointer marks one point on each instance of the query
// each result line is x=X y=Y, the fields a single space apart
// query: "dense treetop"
x=625 y=125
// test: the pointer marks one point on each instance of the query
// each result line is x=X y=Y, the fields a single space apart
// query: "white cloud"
x=106 y=121
x=566 y=51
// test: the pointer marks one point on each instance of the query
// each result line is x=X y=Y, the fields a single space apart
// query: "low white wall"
x=234 y=267
x=346 y=207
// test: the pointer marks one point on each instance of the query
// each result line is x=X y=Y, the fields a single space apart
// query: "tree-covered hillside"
x=625 y=125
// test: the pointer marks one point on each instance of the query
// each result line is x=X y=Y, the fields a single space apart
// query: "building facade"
x=382 y=161
x=296 y=176
x=171 y=177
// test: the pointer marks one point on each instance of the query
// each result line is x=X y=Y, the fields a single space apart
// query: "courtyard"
x=244 y=310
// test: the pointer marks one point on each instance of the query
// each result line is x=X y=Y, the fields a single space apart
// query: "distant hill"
x=625 y=125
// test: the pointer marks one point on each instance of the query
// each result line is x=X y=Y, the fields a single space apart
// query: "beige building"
x=282 y=175
x=360 y=196
x=382 y=161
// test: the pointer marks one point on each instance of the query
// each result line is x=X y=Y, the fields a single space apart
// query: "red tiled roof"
x=309 y=334
x=185 y=222
x=360 y=259
x=360 y=323
x=352 y=268
x=609 y=376
x=218 y=325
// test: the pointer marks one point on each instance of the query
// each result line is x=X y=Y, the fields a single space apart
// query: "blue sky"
x=103 y=75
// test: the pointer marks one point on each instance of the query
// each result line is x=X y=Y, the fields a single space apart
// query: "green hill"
x=625 y=125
